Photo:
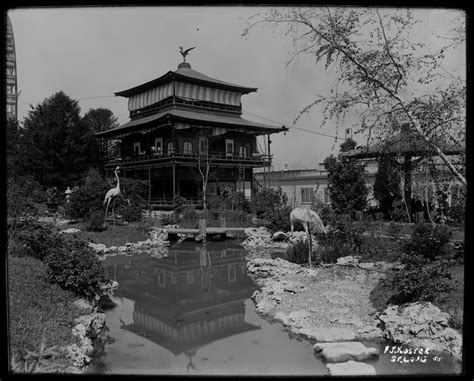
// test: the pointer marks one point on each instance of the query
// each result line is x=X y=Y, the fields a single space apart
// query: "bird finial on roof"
x=184 y=53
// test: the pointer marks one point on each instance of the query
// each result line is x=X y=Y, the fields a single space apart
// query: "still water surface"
x=187 y=310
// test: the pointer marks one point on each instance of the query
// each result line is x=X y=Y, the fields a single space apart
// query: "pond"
x=187 y=310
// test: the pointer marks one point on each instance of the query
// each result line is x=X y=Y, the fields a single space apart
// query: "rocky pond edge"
x=419 y=324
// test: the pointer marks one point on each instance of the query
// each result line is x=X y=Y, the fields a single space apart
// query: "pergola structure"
x=405 y=146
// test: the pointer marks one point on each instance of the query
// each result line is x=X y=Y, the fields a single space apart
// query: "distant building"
x=303 y=186
x=180 y=122
x=11 y=79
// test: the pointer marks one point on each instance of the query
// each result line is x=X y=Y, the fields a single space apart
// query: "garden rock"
x=295 y=320
x=70 y=231
x=369 y=332
x=87 y=328
x=345 y=351
x=421 y=323
x=279 y=236
x=83 y=305
x=351 y=368
x=348 y=261
x=325 y=334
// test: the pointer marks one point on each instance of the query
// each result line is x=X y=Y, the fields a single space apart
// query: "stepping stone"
x=324 y=335
x=351 y=368
x=345 y=351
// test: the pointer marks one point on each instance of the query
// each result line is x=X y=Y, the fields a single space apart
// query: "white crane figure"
x=307 y=217
x=184 y=53
x=111 y=195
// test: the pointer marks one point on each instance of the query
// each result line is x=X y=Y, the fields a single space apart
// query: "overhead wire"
x=297 y=128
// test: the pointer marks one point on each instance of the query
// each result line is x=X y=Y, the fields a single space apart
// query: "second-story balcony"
x=175 y=156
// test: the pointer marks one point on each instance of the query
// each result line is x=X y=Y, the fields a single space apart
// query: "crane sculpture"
x=184 y=53
x=307 y=218
x=112 y=194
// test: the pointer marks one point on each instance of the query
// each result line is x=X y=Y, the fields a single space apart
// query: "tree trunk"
x=407 y=167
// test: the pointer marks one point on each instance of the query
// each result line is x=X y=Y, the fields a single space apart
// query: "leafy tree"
x=100 y=119
x=346 y=183
x=13 y=135
x=57 y=147
x=384 y=72
x=103 y=119
x=387 y=183
x=267 y=200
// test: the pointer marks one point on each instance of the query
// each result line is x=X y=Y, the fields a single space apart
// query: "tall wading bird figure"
x=184 y=53
x=112 y=194
x=307 y=218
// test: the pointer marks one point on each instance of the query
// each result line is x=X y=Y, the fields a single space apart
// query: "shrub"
x=343 y=238
x=456 y=214
x=298 y=253
x=427 y=241
x=278 y=219
x=33 y=239
x=421 y=282
x=425 y=276
x=179 y=203
x=95 y=222
x=19 y=203
x=130 y=213
x=88 y=197
x=75 y=267
x=267 y=200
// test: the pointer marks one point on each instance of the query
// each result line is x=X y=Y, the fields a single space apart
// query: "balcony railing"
x=143 y=158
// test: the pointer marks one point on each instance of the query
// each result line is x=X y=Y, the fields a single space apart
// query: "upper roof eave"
x=185 y=115
x=171 y=75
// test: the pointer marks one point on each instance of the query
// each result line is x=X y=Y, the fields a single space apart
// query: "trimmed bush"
x=33 y=239
x=75 y=267
x=95 y=222
x=88 y=197
x=298 y=253
x=19 y=202
x=425 y=276
x=344 y=238
x=427 y=241
x=278 y=219
x=425 y=282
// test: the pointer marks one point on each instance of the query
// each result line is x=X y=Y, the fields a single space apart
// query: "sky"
x=92 y=52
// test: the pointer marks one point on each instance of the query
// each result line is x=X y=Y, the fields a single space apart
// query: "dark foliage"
x=33 y=239
x=427 y=242
x=278 y=219
x=19 y=200
x=387 y=183
x=346 y=184
x=95 y=223
x=88 y=197
x=56 y=146
x=425 y=276
x=75 y=267
x=267 y=200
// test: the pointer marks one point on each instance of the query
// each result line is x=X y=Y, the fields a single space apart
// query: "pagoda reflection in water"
x=192 y=297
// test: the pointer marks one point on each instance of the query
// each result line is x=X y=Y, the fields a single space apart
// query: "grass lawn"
x=37 y=307
x=112 y=236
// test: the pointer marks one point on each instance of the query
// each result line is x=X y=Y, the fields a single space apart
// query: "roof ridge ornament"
x=184 y=53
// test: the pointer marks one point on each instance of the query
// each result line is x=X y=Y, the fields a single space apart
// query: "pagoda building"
x=182 y=124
